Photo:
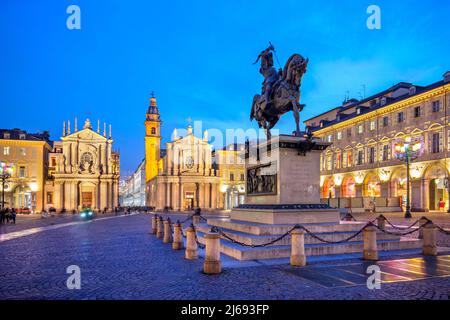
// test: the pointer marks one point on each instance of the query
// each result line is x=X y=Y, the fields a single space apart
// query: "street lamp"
x=5 y=174
x=408 y=150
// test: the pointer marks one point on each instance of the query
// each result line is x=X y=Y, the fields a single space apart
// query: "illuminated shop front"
x=372 y=186
x=349 y=187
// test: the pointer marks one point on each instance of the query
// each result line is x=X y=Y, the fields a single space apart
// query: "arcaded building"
x=360 y=168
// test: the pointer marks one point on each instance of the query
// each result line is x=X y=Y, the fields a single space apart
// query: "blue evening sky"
x=197 y=56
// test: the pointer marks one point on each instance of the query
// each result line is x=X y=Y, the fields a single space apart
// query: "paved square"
x=119 y=259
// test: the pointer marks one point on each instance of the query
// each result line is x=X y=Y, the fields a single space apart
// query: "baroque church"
x=182 y=176
x=84 y=170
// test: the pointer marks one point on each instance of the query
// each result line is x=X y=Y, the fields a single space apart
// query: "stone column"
x=67 y=195
x=208 y=195
x=214 y=196
x=103 y=195
x=358 y=189
x=175 y=199
x=57 y=196
x=201 y=195
x=160 y=190
x=385 y=189
x=181 y=196
x=426 y=194
x=167 y=198
x=416 y=194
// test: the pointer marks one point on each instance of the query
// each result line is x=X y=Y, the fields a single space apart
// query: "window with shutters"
x=349 y=158
x=329 y=162
x=360 y=158
x=435 y=142
x=417 y=112
x=338 y=160
x=386 y=151
x=372 y=155
x=436 y=106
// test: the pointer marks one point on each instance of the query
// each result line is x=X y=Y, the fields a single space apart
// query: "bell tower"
x=152 y=139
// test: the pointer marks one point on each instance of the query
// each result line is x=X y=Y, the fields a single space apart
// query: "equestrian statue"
x=280 y=91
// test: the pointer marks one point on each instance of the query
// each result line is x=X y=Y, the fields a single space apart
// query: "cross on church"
x=153 y=94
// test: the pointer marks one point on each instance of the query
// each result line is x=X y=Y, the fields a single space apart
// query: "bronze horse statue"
x=283 y=97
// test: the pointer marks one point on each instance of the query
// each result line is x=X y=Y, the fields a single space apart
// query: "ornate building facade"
x=84 y=170
x=360 y=168
x=25 y=157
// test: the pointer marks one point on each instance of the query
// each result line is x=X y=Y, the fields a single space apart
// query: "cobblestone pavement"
x=120 y=260
x=24 y=222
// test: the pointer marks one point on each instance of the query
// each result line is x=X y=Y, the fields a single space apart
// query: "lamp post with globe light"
x=5 y=175
x=408 y=150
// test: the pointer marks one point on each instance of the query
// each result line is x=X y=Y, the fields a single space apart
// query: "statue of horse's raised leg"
x=296 y=111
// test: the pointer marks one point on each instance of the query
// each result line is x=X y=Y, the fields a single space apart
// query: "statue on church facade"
x=280 y=90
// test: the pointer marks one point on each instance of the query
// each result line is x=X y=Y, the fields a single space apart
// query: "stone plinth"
x=286 y=216
x=283 y=183
x=283 y=171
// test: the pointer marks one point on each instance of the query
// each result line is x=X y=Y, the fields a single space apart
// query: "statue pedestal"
x=283 y=183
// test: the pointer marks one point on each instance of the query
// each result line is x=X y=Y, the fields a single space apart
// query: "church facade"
x=183 y=177
x=83 y=170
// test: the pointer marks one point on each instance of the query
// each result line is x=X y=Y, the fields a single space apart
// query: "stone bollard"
x=298 y=257
x=196 y=219
x=191 y=245
x=159 y=227
x=154 y=224
x=212 y=253
x=422 y=221
x=381 y=221
x=429 y=240
x=167 y=232
x=370 y=243
x=177 y=243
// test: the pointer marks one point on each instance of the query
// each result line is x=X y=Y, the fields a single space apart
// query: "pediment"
x=86 y=134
